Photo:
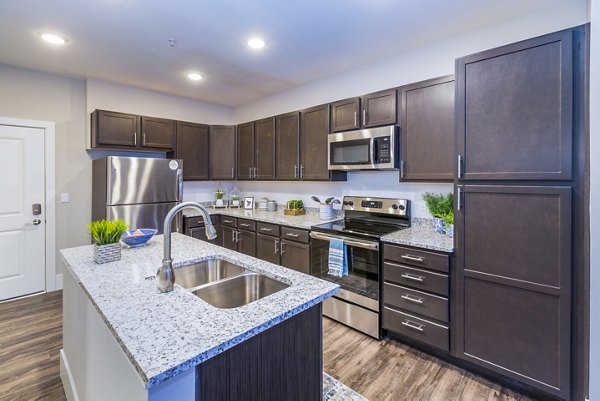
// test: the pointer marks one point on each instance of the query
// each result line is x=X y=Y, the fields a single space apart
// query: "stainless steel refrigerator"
x=139 y=190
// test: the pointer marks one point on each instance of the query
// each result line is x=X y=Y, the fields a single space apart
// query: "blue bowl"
x=137 y=240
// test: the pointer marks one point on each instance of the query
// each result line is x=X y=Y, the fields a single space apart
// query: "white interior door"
x=22 y=233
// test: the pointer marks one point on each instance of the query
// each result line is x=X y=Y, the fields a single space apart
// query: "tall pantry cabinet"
x=518 y=124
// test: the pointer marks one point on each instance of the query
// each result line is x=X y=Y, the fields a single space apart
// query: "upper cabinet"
x=192 y=147
x=287 y=142
x=427 y=121
x=256 y=150
x=373 y=110
x=127 y=131
x=515 y=111
x=222 y=146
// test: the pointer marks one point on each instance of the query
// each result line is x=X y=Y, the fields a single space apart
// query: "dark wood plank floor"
x=31 y=338
x=391 y=371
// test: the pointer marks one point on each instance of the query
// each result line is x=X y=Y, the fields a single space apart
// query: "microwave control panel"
x=383 y=150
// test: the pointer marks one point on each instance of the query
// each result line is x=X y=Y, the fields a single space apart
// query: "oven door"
x=361 y=285
x=349 y=154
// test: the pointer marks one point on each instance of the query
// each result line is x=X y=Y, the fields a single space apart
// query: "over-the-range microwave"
x=366 y=149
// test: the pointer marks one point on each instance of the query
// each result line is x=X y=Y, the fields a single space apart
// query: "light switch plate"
x=64 y=197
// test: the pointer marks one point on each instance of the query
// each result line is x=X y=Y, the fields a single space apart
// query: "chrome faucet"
x=166 y=275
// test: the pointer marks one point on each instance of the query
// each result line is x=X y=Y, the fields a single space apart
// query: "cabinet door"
x=267 y=248
x=515 y=110
x=295 y=255
x=345 y=114
x=287 y=133
x=379 y=109
x=114 y=129
x=514 y=280
x=314 y=128
x=158 y=133
x=427 y=121
x=221 y=141
x=246 y=242
x=228 y=238
x=245 y=153
x=192 y=147
x=264 y=147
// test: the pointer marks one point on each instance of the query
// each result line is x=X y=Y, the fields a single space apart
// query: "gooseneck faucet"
x=166 y=275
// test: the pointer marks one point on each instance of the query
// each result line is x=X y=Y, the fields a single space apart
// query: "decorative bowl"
x=138 y=237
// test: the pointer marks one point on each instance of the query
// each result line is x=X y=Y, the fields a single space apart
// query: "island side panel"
x=284 y=362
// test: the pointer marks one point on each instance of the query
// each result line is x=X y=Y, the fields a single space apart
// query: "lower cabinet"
x=295 y=255
x=195 y=227
x=238 y=235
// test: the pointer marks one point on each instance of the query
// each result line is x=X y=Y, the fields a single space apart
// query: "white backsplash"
x=364 y=183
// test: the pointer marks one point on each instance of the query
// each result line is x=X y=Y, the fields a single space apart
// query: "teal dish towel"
x=338 y=258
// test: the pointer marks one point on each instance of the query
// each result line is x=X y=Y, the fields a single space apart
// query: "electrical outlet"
x=64 y=197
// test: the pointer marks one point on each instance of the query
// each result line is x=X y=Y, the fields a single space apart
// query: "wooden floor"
x=31 y=338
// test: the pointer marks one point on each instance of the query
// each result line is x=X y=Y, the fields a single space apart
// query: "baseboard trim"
x=59 y=282
x=67 y=378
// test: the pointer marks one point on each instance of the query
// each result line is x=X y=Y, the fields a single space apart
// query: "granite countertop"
x=166 y=334
x=305 y=221
x=421 y=235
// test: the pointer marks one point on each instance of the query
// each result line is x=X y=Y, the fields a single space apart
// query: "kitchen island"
x=124 y=340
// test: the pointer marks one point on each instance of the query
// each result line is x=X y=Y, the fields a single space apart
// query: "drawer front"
x=245 y=224
x=229 y=221
x=198 y=221
x=294 y=234
x=418 y=329
x=267 y=229
x=416 y=278
x=414 y=257
x=422 y=303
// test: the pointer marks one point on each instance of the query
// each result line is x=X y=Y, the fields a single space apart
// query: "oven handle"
x=373 y=246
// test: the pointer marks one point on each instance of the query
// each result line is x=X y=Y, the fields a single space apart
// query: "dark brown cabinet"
x=239 y=235
x=256 y=150
x=267 y=248
x=195 y=227
x=229 y=237
x=246 y=242
x=192 y=148
x=222 y=152
x=127 y=131
x=295 y=249
x=515 y=111
x=372 y=110
x=514 y=257
x=427 y=121
x=287 y=140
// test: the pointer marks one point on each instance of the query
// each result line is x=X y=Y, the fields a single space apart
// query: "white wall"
x=595 y=202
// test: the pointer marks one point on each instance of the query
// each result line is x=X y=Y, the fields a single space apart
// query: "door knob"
x=37 y=222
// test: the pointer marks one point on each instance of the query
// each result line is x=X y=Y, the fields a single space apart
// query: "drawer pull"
x=293 y=235
x=266 y=229
x=411 y=325
x=228 y=221
x=244 y=225
x=413 y=258
x=413 y=277
x=412 y=299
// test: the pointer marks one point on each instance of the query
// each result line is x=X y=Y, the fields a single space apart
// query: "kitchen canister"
x=272 y=206
x=263 y=204
x=326 y=211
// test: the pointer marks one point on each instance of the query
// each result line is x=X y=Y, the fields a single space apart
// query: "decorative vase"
x=326 y=211
x=450 y=230
x=219 y=202
x=439 y=225
x=235 y=202
x=107 y=253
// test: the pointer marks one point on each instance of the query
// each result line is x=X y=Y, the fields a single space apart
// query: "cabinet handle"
x=355 y=119
x=413 y=258
x=228 y=221
x=402 y=168
x=266 y=229
x=412 y=299
x=414 y=326
x=301 y=170
x=244 y=224
x=232 y=172
x=237 y=236
x=292 y=235
x=135 y=139
x=233 y=236
x=143 y=139
x=459 y=198
x=459 y=166
x=250 y=172
x=364 y=117
x=412 y=277
x=281 y=251
x=255 y=172
x=276 y=250
x=295 y=171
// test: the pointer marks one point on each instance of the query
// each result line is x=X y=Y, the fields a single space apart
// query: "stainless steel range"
x=366 y=221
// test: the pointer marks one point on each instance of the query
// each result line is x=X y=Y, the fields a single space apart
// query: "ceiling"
x=126 y=41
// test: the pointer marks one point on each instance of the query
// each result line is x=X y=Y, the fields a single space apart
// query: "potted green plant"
x=219 y=194
x=294 y=207
x=449 y=219
x=439 y=207
x=106 y=236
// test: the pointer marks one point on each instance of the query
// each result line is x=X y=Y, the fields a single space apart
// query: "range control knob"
x=350 y=203
x=394 y=206
x=401 y=207
x=345 y=203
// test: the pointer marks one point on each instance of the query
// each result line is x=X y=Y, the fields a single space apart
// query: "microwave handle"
x=373 y=150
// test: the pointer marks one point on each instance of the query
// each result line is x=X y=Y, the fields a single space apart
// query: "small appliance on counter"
x=365 y=221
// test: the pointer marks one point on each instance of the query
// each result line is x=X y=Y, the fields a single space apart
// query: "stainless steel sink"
x=208 y=271
x=240 y=290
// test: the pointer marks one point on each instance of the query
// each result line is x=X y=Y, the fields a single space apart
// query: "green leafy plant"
x=439 y=205
x=295 y=204
x=235 y=197
x=107 y=232
x=219 y=194
x=449 y=218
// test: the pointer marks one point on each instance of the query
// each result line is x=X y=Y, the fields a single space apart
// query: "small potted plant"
x=106 y=236
x=219 y=194
x=449 y=219
x=294 y=207
x=439 y=206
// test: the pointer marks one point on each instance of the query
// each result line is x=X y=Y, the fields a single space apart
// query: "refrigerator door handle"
x=180 y=184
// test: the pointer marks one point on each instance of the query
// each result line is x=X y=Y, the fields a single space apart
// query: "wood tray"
x=294 y=212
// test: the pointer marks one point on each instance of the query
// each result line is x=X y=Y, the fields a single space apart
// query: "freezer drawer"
x=150 y=215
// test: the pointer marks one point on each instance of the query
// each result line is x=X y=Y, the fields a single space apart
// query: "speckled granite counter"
x=420 y=236
x=166 y=334
x=305 y=221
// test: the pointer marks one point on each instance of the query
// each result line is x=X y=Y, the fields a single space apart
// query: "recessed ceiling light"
x=255 y=42
x=194 y=76
x=53 y=38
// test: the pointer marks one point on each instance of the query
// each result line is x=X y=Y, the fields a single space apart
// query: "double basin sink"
x=224 y=284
